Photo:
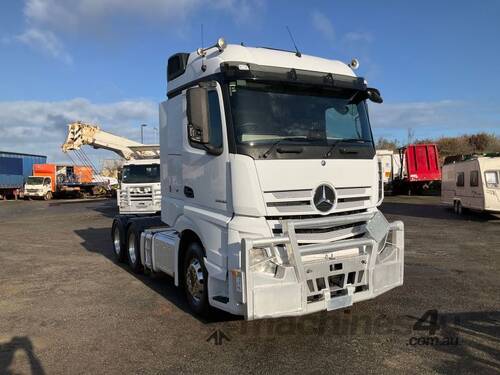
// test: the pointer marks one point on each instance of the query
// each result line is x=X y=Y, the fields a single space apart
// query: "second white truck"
x=270 y=187
x=140 y=189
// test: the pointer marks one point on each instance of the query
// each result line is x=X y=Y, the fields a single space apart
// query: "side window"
x=460 y=179
x=46 y=181
x=215 y=119
x=474 y=178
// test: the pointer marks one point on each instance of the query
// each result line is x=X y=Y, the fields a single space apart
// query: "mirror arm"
x=212 y=150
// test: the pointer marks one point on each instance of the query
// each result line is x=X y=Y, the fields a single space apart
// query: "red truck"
x=419 y=169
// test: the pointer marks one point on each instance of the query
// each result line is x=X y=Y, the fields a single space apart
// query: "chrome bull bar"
x=308 y=279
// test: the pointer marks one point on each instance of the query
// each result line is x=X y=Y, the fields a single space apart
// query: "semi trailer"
x=15 y=169
x=269 y=187
x=419 y=169
x=139 y=192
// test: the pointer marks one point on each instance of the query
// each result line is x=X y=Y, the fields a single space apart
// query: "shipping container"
x=14 y=169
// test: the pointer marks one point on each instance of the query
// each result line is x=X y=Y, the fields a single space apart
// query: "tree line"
x=463 y=144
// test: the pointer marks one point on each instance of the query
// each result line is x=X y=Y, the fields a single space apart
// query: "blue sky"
x=435 y=62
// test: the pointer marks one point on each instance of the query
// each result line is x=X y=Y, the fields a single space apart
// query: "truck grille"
x=300 y=202
x=140 y=196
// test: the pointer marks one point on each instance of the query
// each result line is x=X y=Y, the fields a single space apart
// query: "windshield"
x=34 y=181
x=141 y=173
x=264 y=113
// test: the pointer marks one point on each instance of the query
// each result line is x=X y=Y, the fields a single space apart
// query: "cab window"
x=215 y=119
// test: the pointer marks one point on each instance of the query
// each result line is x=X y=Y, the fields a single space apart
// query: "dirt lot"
x=67 y=308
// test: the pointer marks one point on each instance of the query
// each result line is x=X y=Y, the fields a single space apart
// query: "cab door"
x=204 y=174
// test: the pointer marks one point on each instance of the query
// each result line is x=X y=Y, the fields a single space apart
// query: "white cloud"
x=45 y=41
x=323 y=25
x=49 y=21
x=356 y=37
x=40 y=127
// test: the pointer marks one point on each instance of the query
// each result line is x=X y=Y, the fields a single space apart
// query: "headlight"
x=262 y=260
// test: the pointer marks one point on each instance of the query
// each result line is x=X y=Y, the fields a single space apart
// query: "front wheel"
x=48 y=196
x=196 y=279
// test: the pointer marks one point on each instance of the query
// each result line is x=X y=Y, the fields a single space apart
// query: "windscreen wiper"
x=343 y=141
x=266 y=154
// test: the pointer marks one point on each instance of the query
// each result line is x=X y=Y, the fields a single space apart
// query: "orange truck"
x=59 y=179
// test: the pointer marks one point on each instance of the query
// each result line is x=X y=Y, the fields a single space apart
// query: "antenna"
x=297 y=52
x=203 y=66
x=202 y=41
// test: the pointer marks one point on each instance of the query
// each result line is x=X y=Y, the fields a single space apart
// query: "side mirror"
x=198 y=115
x=374 y=95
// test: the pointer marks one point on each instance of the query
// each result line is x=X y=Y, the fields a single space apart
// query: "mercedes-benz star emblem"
x=324 y=198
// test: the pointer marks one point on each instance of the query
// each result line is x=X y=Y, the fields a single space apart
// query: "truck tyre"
x=48 y=196
x=118 y=240
x=133 y=249
x=460 y=209
x=196 y=279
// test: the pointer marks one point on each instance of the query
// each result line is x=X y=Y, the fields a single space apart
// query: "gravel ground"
x=67 y=308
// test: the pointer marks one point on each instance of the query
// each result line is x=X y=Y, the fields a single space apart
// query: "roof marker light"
x=221 y=45
x=354 y=64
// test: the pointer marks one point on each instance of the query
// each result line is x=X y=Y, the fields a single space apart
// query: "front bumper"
x=307 y=278
x=37 y=194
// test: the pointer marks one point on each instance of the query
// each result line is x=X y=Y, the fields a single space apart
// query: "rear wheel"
x=117 y=236
x=196 y=279
x=460 y=209
x=133 y=249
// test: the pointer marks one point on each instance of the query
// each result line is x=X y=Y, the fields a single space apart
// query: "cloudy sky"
x=436 y=63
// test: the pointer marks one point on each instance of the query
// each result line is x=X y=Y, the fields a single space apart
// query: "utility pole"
x=157 y=140
x=142 y=132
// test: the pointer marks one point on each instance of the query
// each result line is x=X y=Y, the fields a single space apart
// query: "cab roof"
x=190 y=66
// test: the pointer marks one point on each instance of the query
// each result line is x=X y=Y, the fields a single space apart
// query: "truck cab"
x=270 y=186
x=38 y=187
x=140 y=191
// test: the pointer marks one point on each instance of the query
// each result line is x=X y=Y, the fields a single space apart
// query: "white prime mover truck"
x=140 y=191
x=270 y=187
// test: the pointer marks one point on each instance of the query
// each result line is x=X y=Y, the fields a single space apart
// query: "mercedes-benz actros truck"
x=269 y=187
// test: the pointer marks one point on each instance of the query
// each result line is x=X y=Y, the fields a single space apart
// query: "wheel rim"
x=116 y=241
x=131 y=248
x=195 y=284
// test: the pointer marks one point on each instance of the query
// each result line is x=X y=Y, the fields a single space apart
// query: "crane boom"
x=81 y=133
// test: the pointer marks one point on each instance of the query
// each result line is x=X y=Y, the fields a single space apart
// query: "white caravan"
x=472 y=182
x=140 y=191
x=270 y=187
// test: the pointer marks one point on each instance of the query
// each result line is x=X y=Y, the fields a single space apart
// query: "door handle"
x=188 y=192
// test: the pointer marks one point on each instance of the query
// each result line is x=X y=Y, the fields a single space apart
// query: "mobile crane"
x=140 y=191
x=270 y=186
